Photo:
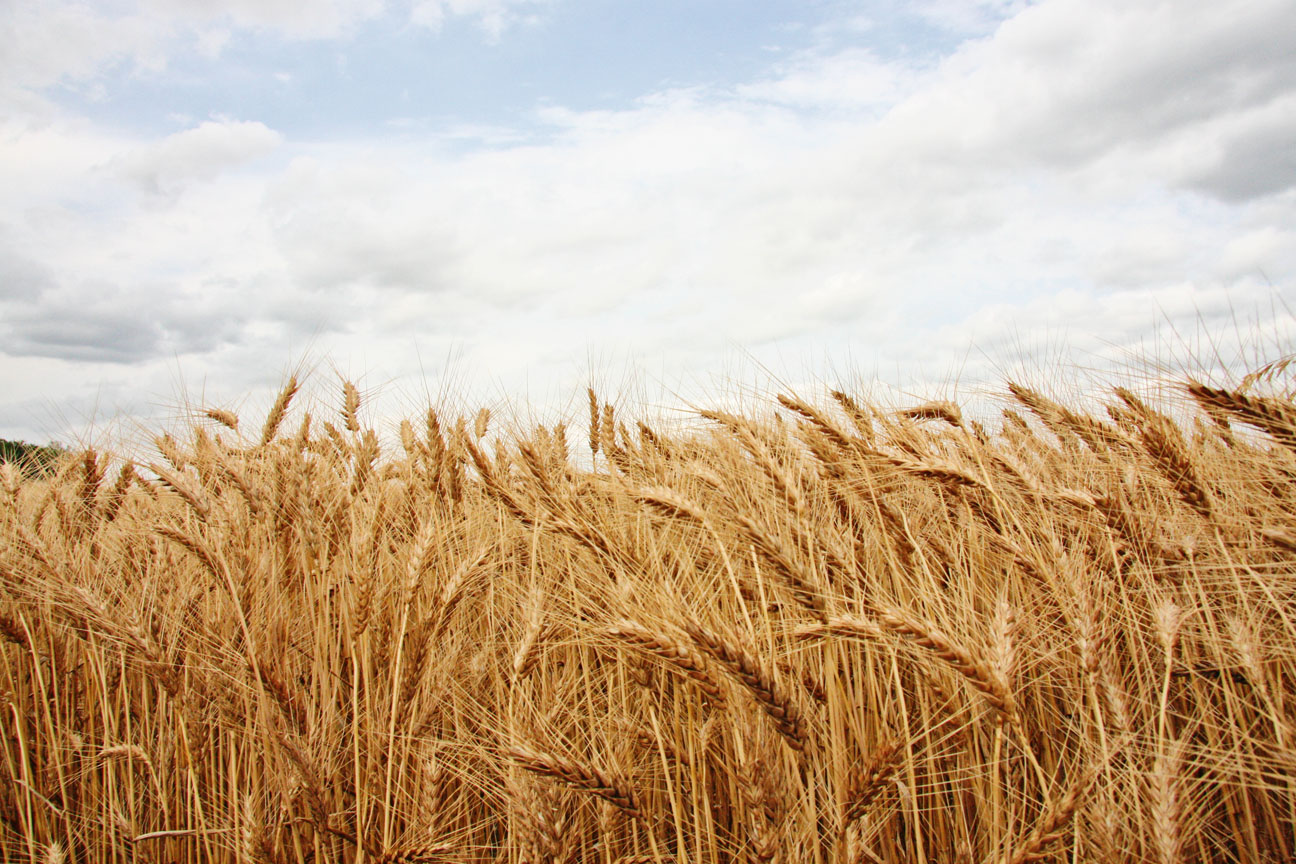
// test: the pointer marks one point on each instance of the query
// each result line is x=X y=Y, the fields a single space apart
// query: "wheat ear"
x=870 y=779
x=759 y=681
x=674 y=652
x=1164 y=443
x=988 y=681
x=586 y=778
x=276 y=415
x=1052 y=824
x=1274 y=416
x=351 y=407
x=946 y=412
x=228 y=419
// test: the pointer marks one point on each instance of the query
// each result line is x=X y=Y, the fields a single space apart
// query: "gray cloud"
x=103 y=323
x=77 y=334
x=1254 y=160
x=22 y=278
x=1071 y=81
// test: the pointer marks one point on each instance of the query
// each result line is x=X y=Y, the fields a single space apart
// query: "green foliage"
x=32 y=459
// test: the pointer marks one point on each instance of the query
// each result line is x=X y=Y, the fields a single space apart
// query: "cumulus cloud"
x=91 y=275
x=195 y=154
x=1067 y=82
x=99 y=334
x=367 y=221
x=1083 y=169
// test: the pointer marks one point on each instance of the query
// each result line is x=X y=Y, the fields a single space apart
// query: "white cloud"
x=1088 y=168
x=46 y=43
x=69 y=41
x=1068 y=81
x=319 y=19
x=1257 y=251
x=1174 y=328
x=201 y=153
x=22 y=278
x=364 y=221
x=493 y=16
x=850 y=80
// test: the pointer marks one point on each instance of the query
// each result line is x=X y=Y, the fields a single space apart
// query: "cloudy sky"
x=499 y=201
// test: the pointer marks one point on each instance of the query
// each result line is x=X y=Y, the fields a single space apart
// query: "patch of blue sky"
x=577 y=54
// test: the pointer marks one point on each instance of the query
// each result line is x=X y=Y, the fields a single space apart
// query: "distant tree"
x=33 y=460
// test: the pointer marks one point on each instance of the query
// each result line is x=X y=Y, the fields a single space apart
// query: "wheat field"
x=823 y=632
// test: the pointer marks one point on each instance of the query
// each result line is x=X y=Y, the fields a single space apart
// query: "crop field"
x=820 y=632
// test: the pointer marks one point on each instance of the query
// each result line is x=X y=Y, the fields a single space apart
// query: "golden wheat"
x=748 y=641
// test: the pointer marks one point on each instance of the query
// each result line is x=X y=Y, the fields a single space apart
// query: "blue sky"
x=389 y=72
x=499 y=201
